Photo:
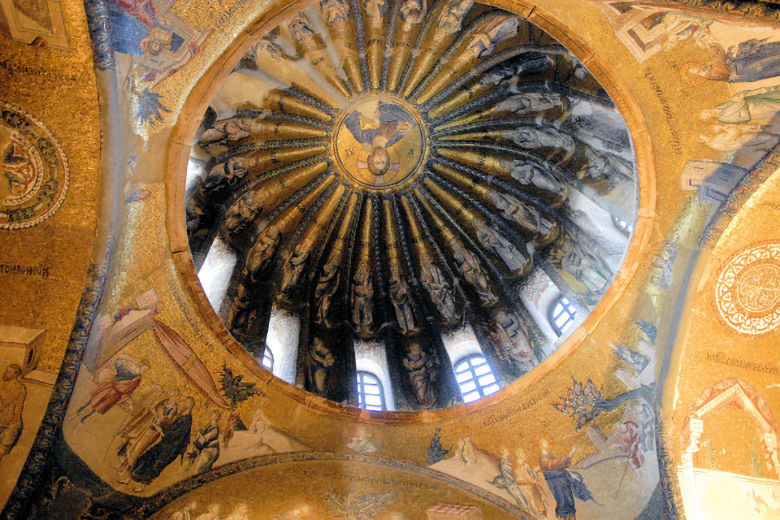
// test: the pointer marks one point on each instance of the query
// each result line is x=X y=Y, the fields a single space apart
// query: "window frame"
x=363 y=378
x=566 y=307
x=267 y=354
x=471 y=369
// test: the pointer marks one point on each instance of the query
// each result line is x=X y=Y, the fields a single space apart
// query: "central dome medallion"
x=405 y=205
x=379 y=142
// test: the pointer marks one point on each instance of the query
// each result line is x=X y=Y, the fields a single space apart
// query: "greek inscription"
x=41 y=271
x=17 y=68
x=723 y=359
x=671 y=124
x=525 y=405
x=395 y=483
x=228 y=13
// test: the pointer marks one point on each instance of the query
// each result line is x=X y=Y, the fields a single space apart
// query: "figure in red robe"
x=116 y=388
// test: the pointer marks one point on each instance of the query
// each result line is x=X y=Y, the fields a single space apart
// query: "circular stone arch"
x=190 y=117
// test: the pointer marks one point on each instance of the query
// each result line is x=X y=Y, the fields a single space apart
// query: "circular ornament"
x=379 y=142
x=34 y=174
x=747 y=293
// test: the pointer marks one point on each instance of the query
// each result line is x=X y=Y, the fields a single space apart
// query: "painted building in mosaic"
x=389 y=259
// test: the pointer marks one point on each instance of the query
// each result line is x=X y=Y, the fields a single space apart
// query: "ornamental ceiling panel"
x=393 y=173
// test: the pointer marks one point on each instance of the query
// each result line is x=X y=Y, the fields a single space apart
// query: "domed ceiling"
x=392 y=180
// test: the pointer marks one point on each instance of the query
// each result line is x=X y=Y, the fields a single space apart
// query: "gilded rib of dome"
x=400 y=173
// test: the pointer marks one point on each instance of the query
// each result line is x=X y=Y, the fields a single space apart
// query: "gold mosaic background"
x=692 y=350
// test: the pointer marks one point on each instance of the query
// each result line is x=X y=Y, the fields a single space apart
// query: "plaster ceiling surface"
x=374 y=181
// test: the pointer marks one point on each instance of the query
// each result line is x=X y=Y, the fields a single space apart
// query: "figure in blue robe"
x=174 y=442
x=565 y=485
x=751 y=60
x=127 y=31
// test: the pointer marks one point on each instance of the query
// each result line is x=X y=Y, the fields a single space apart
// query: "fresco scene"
x=389 y=259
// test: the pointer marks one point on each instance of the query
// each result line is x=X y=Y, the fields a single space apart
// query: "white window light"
x=622 y=225
x=371 y=395
x=216 y=271
x=562 y=315
x=475 y=378
x=282 y=341
x=268 y=359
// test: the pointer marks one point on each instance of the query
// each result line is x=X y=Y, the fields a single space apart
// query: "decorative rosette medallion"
x=35 y=174
x=748 y=290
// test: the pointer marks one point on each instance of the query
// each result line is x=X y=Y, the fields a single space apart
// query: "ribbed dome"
x=389 y=176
